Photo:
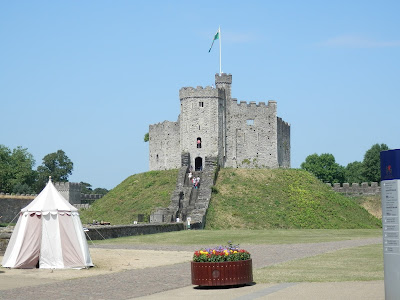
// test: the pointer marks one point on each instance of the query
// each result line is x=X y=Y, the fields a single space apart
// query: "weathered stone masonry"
x=214 y=130
x=212 y=124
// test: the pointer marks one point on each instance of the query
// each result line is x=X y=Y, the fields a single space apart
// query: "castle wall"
x=201 y=118
x=164 y=146
x=10 y=206
x=251 y=135
x=283 y=137
x=356 y=189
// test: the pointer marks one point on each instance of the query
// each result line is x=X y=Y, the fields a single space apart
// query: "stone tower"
x=212 y=124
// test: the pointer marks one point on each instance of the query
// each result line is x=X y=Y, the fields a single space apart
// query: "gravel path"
x=141 y=282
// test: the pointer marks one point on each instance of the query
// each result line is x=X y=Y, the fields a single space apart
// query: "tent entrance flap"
x=28 y=256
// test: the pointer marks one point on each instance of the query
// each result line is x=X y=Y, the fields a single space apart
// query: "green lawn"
x=354 y=264
x=243 y=237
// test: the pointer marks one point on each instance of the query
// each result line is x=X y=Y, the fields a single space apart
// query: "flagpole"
x=220 y=64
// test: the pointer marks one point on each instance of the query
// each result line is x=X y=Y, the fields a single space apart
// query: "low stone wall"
x=99 y=232
x=357 y=189
x=5 y=234
x=10 y=207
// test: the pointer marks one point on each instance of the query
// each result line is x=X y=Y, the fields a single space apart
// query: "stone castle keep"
x=213 y=124
x=214 y=130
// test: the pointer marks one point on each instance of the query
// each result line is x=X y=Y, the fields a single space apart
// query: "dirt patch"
x=106 y=261
x=371 y=203
x=17 y=196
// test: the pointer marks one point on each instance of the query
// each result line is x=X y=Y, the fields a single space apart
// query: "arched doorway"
x=198 y=164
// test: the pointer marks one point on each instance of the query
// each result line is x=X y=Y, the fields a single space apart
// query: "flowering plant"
x=221 y=253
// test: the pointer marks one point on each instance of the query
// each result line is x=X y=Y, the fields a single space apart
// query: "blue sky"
x=88 y=77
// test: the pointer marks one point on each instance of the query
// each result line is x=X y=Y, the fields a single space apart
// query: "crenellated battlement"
x=165 y=124
x=223 y=78
x=67 y=186
x=271 y=103
x=283 y=122
x=199 y=92
x=357 y=189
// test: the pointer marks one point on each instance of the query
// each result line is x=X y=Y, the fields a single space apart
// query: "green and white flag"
x=216 y=37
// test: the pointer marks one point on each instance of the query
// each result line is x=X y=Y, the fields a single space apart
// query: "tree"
x=22 y=163
x=100 y=191
x=57 y=165
x=16 y=169
x=354 y=172
x=20 y=188
x=371 y=163
x=324 y=167
x=5 y=169
x=86 y=188
x=146 y=137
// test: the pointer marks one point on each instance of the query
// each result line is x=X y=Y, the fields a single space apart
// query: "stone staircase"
x=187 y=201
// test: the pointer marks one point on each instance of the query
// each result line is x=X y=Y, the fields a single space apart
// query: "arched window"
x=198 y=142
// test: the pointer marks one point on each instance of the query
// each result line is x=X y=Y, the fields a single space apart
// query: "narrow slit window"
x=201 y=104
x=198 y=142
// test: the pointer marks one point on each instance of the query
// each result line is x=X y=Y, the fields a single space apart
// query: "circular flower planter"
x=222 y=273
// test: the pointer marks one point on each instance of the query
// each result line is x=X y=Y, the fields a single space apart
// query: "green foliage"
x=22 y=188
x=354 y=172
x=371 y=162
x=86 y=188
x=146 y=137
x=138 y=194
x=324 y=167
x=281 y=198
x=57 y=165
x=246 y=161
x=214 y=190
x=100 y=191
x=16 y=169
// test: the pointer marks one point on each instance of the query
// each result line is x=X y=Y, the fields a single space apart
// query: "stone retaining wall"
x=10 y=208
x=99 y=232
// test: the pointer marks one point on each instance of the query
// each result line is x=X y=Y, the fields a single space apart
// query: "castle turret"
x=224 y=81
x=201 y=123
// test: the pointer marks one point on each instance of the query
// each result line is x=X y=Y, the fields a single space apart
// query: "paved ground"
x=173 y=281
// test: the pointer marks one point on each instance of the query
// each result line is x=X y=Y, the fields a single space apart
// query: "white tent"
x=48 y=231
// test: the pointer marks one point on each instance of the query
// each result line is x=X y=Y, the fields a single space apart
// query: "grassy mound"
x=281 y=198
x=241 y=199
x=138 y=194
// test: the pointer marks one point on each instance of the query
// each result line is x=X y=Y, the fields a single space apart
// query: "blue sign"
x=390 y=164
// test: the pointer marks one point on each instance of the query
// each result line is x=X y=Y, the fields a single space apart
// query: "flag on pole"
x=216 y=37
